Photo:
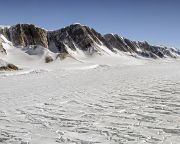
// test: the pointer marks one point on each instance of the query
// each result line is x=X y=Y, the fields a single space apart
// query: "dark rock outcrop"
x=117 y=42
x=25 y=35
x=48 y=59
x=77 y=36
x=9 y=67
x=140 y=48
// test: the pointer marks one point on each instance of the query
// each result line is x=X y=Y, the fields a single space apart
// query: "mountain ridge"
x=80 y=37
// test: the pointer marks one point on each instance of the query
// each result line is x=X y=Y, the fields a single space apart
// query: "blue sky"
x=157 y=21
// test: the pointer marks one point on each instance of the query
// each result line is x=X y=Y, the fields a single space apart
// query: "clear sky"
x=157 y=21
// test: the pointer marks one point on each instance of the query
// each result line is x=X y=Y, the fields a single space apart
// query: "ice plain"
x=101 y=100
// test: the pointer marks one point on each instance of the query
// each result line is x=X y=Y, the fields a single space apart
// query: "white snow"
x=92 y=103
x=4 y=26
x=76 y=23
x=104 y=99
x=2 y=63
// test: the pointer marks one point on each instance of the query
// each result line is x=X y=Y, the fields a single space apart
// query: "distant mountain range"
x=77 y=37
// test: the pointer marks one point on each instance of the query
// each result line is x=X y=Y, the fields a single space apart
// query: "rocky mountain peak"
x=75 y=35
x=28 y=34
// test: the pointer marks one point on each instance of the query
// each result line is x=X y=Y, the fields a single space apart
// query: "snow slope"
x=2 y=63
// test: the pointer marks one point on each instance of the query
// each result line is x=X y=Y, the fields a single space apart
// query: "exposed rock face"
x=77 y=36
x=25 y=35
x=81 y=37
x=48 y=59
x=117 y=42
x=4 y=66
x=9 y=67
x=141 y=48
x=156 y=51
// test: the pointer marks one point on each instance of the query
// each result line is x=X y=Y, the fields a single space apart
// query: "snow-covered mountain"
x=77 y=40
x=77 y=36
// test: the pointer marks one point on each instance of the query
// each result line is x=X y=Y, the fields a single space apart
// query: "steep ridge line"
x=79 y=37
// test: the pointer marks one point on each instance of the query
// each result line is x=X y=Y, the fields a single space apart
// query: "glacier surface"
x=91 y=102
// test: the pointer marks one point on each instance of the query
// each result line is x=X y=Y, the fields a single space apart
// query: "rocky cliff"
x=26 y=34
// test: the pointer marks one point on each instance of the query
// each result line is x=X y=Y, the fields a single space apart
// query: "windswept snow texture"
x=92 y=103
